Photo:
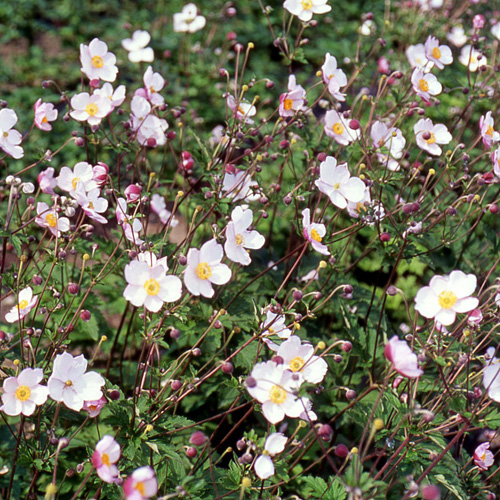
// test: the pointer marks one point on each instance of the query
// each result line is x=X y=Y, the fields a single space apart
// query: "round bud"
x=73 y=288
x=287 y=200
x=175 y=385
x=341 y=450
x=278 y=360
x=346 y=346
x=182 y=260
x=354 y=124
x=114 y=395
x=392 y=290
x=431 y=492
x=348 y=289
x=250 y=382
x=325 y=432
x=37 y=280
x=350 y=394
x=196 y=352
x=191 y=452
x=228 y=368
x=198 y=438
x=385 y=237
x=175 y=333
x=85 y=315
x=297 y=295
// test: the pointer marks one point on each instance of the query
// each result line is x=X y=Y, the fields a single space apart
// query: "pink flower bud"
x=431 y=492
x=100 y=173
x=341 y=451
x=133 y=193
x=198 y=438
x=383 y=66
x=85 y=315
x=478 y=21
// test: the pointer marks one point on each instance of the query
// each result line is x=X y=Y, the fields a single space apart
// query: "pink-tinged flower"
x=478 y=22
x=474 y=317
x=292 y=101
x=133 y=193
x=81 y=177
x=483 y=457
x=446 y=296
x=92 y=203
x=204 y=268
x=300 y=359
x=93 y=408
x=496 y=162
x=314 y=233
x=488 y=133
x=389 y=143
x=153 y=84
x=383 y=66
x=115 y=96
x=159 y=207
x=457 y=36
x=275 y=443
x=188 y=21
x=47 y=181
x=22 y=394
x=491 y=375
x=26 y=302
x=417 y=59
x=438 y=54
x=49 y=218
x=403 y=359
x=10 y=138
x=425 y=85
x=334 y=77
x=44 y=114
x=472 y=58
x=90 y=108
x=131 y=226
x=100 y=173
x=104 y=458
x=337 y=128
x=360 y=208
x=239 y=238
x=238 y=185
x=429 y=136
x=149 y=286
x=141 y=485
x=304 y=9
x=97 y=62
x=241 y=110
x=137 y=47
x=336 y=182
x=275 y=387
x=70 y=384
x=149 y=128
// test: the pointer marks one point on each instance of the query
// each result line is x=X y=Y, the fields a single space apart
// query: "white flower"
x=239 y=238
x=238 y=184
x=430 y=4
x=275 y=443
x=292 y=101
x=149 y=286
x=457 y=36
x=304 y=9
x=97 y=62
x=44 y=114
x=403 y=359
x=300 y=359
x=425 y=84
x=148 y=126
x=137 y=48
x=488 y=133
x=491 y=376
x=275 y=324
x=49 y=218
x=159 y=207
x=359 y=208
x=336 y=127
x=438 y=54
x=26 y=302
x=446 y=296
x=107 y=453
x=131 y=228
x=90 y=108
x=314 y=233
x=336 y=182
x=22 y=394
x=472 y=58
x=275 y=387
x=9 y=138
x=204 y=268
x=92 y=204
x=334 y=77
x=81 y=176
x=389 y=143
x=116 y=96
x=47 y=181
x=242 y=110
x=153 y=84
x=367 y=27
x=495 y=30
x=70 y=384
x=437 y=134
x=417 y=59
x=188 y=21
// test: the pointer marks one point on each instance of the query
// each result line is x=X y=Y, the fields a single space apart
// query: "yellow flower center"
x=277 y=395
x=105 y=459
x=336 y=185
x=68 y=383
x=6 y=134
x=287 y=104
x=75 y=182
x=446 y=299
x=315 y=235
x=152 y=89
x=431 y=139
x=361 y=207
x=203 y=271
x=489 y=131
x=140 y=488
x=97 y=62
x=239 y=239
x=91 y=109
x=306 y=4
x=296 y=364
x=23 y=392
x=44 y=120
x=424 y=86
x=152 y=287
x=23 y=304
x=436 y=53
x=338 y=128
x=91 y=205
x=51 y=220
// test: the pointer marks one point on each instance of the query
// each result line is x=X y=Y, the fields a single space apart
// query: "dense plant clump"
x=251 y=251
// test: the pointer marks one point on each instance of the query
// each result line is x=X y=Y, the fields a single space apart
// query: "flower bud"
x=191 y=452
x=325 y=432
x=341 y=450
x=73 y=288
x=85 y=315
x=133 y=193
x=198 y=438
x=431 y=492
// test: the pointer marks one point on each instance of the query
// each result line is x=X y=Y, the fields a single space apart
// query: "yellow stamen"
x=239 y=239
x=105 y=459
x=423 y=85
x=97 y=62
x=436 y=53
x=152 y=287
x=68 y=383
x=75 y=182
x=91 y=109
x=431 y=139
x=287 y=104
x=315 y=235
x=489 y=131
x=338 y=128
x=23 y=392
x=306 y=4
x=51 y=220
x=23 y=304
x=203 y=271
x=140 y=488
x=296 y=364
x=277 y=395
x=446 y=299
